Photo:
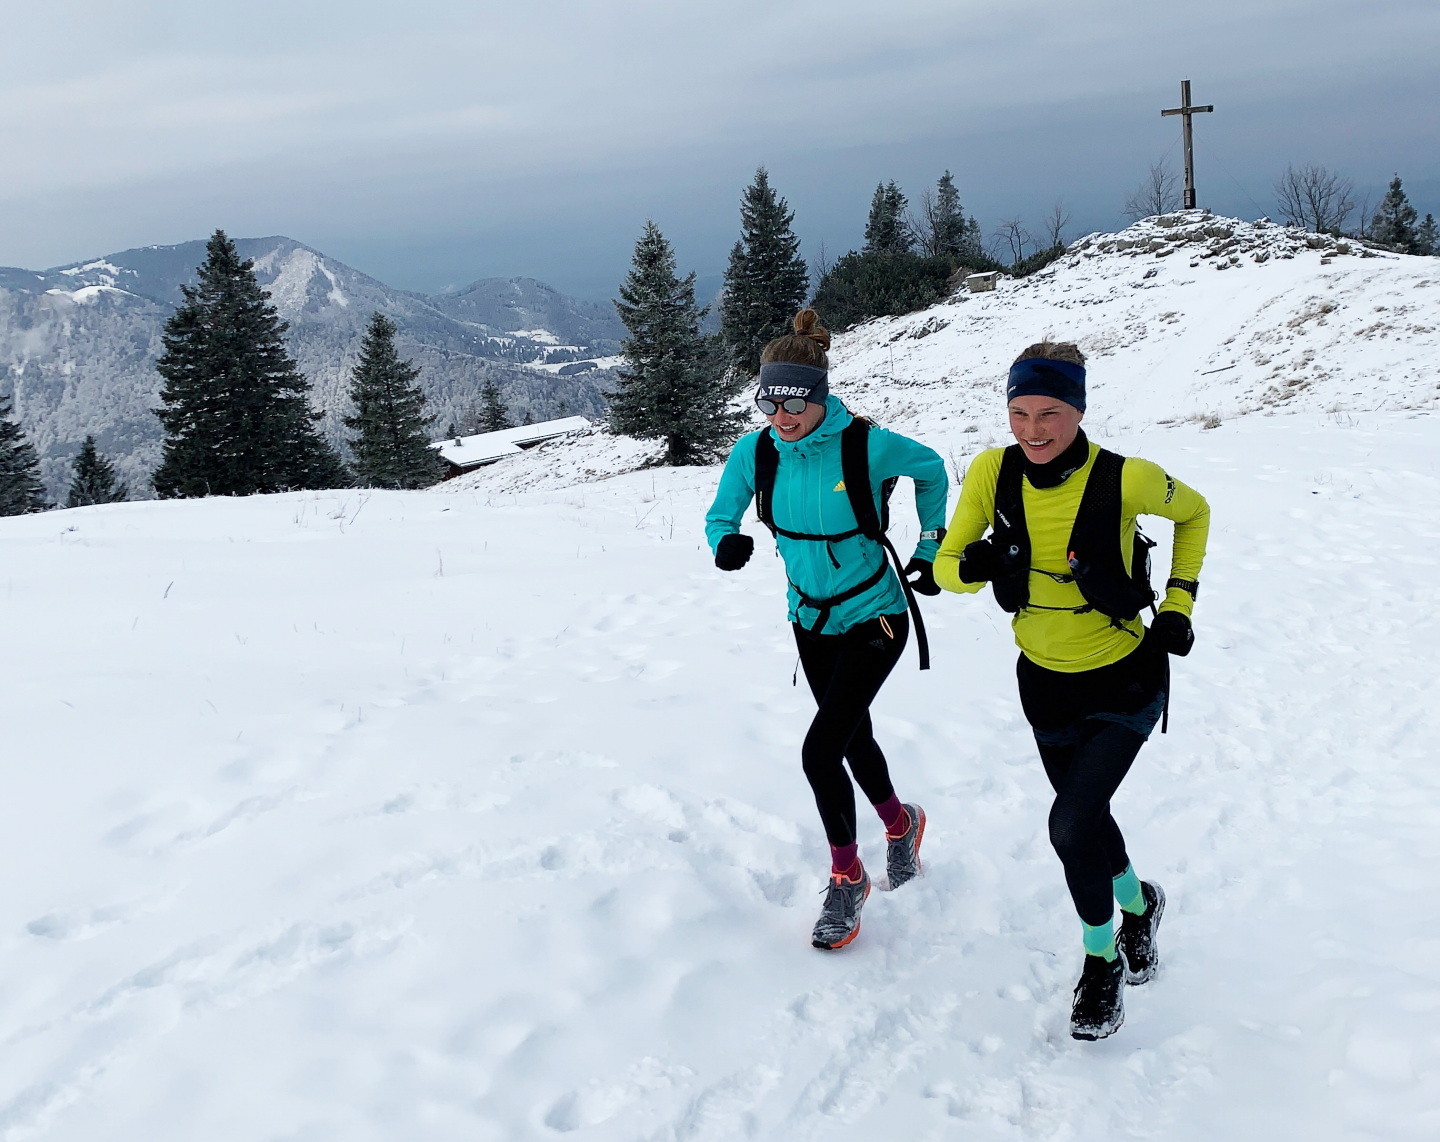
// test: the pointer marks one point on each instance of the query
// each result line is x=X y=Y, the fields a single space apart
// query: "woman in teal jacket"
x=846 y=605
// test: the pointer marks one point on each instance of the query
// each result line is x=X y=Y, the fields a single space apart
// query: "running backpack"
x=872 y=524
x=1097 y=564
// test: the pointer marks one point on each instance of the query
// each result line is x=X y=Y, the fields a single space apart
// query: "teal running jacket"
x=810 y=497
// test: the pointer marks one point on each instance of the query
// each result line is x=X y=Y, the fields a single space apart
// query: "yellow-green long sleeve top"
x=1060 y=639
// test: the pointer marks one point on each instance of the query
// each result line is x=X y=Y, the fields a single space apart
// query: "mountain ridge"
x=78 y=344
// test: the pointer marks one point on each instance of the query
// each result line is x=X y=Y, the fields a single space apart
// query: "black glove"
x=925 y=580
x=1171 y=633
x=733 y=551
x=980 y=562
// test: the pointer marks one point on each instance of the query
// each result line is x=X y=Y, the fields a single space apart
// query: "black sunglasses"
x=793 y=405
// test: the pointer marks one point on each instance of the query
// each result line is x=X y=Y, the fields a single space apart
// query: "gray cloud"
x=432 y=143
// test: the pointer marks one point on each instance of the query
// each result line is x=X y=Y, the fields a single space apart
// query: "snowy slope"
x=479 y=815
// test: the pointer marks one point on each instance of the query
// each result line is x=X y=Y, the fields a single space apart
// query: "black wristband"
x=1191 y=585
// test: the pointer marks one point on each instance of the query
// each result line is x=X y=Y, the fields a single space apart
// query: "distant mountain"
x=512 y=304
x=78 y=344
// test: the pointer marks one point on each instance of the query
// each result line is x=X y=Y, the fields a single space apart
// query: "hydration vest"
x=1095 y=555
x=872 y=524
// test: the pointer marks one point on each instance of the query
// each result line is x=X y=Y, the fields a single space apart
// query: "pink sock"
x=894 y=815
x=845 y=859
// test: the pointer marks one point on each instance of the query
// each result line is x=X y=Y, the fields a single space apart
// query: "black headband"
x=781 y=379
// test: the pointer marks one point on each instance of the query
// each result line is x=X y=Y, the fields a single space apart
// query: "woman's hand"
x=733 y=551
x=924 y=572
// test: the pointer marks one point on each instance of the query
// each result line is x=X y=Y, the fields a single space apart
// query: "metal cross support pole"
x=1186 y=110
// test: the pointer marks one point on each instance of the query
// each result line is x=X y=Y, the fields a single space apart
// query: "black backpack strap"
x=767 y=463
x=825 y=606
x=1094 y=552
x=1012 y=536
x=855 y=466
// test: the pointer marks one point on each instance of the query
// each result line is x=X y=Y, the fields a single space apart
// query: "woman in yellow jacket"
x=1063 y=557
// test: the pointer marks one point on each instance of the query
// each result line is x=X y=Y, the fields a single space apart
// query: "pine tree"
x=886 y=231
x=21 y=489
x=93 y=479
x=676 y=387
x=1394 y=222
x=1427 y=237
x=493 y=414
x=766 y=280
x=949 y=219
x=392 y=449
x=235 y=407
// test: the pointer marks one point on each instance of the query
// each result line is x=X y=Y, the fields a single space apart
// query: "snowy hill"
x=78 y=344
x=478 y=813
x=1185 y=318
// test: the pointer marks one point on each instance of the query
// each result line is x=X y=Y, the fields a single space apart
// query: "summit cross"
x=1186 y=110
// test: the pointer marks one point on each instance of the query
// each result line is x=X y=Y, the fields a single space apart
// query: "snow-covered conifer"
x=493 y=414
x=766 y=280
x=392 y=447
x=21 y=489
x=675 y=386
x=1394 y=222
x=93 y=479
x=1427 y=236
x=886 y=230
x=235 y=407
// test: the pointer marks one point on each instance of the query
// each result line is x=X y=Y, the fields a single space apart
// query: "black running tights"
x=845 y=672
x=1089 y=727
x=1085 y=835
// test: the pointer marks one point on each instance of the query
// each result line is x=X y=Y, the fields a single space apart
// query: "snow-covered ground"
x=479 y=815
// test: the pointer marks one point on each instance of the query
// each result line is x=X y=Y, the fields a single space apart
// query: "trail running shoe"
x=839 y=921
x=902 y=853
x=1099 y=1007
x=1136 y=938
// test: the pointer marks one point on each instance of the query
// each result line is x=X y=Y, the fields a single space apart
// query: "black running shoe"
x=1136 y=938
x=839 y=921
x=1099 y=1006
x=902 y=853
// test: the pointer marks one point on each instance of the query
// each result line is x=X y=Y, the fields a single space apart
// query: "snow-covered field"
x=480 y=816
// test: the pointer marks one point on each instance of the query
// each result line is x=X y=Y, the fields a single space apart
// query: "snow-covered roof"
x=487 y=447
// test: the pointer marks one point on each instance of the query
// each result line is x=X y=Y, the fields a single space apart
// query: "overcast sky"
x=432 y=142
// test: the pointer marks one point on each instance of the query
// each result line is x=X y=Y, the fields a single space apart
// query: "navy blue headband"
x=781 y=379
x=1039 y=376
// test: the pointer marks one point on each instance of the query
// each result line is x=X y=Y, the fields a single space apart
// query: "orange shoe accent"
x=856 y=932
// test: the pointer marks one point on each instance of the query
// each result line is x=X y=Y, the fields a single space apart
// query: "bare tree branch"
x=1012 y=237
x=1156 y=195
x=1314 y=197
x=1054 y=225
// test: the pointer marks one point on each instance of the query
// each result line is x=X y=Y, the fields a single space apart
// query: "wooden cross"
x=1187 y=111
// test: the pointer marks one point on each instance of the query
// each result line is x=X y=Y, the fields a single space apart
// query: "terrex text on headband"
x=788 y=385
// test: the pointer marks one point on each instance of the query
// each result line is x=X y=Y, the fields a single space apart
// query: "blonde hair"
x=806 y=346
x=1054 y=351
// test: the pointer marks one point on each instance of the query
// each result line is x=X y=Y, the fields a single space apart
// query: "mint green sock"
x=1100 y=939
x=1127 y=892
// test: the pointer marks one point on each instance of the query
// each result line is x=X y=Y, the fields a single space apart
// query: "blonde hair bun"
x=807 y=324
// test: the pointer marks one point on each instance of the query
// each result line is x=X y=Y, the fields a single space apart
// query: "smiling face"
x=790 y=426
x=1044 y=426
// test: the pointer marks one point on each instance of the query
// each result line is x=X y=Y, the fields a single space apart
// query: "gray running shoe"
x=902 y=853
x=1136 y=938
x=1099 y=1007
x=839 y=921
